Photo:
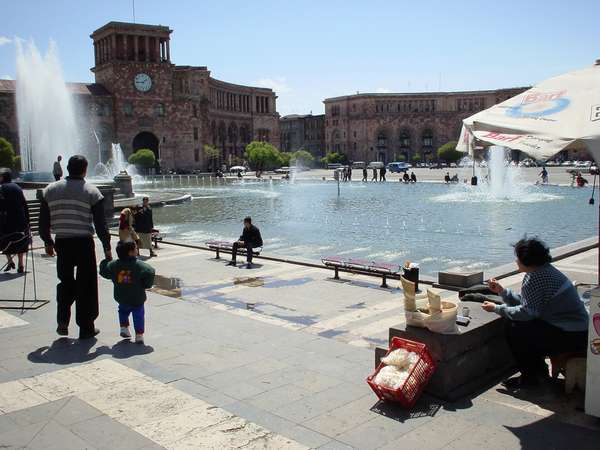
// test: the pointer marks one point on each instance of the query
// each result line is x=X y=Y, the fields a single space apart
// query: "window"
x=160 y=110
x=195 y=133
x=195 y=111
x=355 y=134
x=128 y=109
x=197 y=155
x=427 y=138
x=335 y=110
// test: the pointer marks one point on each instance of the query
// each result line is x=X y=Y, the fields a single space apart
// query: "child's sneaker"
x=125 y=332
x=139 y=338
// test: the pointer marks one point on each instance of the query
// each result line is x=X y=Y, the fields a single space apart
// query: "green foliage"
x=302 y=158
x=211 y=153
x=448 y=152
x=143 y=158
x=262 y=156
x=7 y=154
x=286 y=158
x=416 y=157
x=401 y=158
x=334 y=157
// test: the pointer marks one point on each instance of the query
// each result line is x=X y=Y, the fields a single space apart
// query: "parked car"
x=376 y=165
x=397 y=167
x=359 y=165
x=236 y=169
x=334 y=165
x=283 y=170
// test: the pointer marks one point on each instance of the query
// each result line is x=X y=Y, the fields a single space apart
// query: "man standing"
x=249 y=239
x=374 y=174
x=68 y=208
x=57 y=169
x=382 y=174
x=365 y=176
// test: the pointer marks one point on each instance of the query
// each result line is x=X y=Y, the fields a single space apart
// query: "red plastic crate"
x=417 y=379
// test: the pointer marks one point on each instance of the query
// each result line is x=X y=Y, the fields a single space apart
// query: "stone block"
x=460 y=279
x=468 y=361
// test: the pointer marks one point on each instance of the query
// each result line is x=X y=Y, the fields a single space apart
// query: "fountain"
x=45 y=109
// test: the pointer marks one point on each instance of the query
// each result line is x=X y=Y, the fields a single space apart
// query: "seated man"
x=547 y=319
x=249 y=239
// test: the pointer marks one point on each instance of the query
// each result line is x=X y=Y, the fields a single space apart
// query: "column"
x=113 y=46
x=168 y=50
x=147 y=46
x=157 y=49
x=125 y=47
x=136 y=50
x=95 y=53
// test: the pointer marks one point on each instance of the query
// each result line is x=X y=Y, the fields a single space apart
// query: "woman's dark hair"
x=532 y=252
x=77 y=165
x=248 y=219
x=124 y=248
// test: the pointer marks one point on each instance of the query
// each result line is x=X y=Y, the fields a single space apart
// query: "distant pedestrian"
x=447 y=178
x=382 y=174
x=405 y=178
x=374 y=174
x=130 y=278
x=365 y=175
x=349 y=173
x=143 y=224
x=15 y=236
x=68 y=208
x=57 y=169
x=544 y=175
x=413 y=177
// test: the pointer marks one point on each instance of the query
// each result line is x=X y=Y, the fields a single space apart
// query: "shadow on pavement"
x=65 y=351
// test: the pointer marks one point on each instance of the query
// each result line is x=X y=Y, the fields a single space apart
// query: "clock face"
x=142 y=82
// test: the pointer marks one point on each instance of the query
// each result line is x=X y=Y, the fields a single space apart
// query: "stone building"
x=303 y=132
x=392 y=127
x=142 y=100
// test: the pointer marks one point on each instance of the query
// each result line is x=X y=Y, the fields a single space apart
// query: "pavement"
x=274 y=357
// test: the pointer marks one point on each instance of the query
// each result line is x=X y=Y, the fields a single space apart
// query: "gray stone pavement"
x=213 y=374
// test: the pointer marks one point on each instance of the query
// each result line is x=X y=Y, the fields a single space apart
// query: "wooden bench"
x=362 y=267
x=227 y=247
x=156 y=237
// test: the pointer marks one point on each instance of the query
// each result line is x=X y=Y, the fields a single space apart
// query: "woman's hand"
x=488 y=306
x=494 y=286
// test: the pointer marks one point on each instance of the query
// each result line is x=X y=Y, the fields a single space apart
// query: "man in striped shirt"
x=69 y=208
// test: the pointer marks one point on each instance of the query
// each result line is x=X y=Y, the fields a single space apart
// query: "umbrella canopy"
x=559 y=113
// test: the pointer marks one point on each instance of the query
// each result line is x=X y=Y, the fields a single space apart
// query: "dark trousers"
x=247 y=246
x=76 y=270
x=56 y=177
x=532 y=341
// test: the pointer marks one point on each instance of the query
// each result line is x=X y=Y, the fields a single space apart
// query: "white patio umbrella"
x=557 y=114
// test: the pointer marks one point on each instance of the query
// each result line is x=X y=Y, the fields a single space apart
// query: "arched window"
x=404 y=139
x=381 y=139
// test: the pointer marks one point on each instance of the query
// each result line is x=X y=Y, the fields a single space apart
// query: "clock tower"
x=133 y=62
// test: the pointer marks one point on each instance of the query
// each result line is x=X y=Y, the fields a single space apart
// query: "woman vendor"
x=548 y=317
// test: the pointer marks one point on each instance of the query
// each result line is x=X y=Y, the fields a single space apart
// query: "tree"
x=448 y=152
x=416 y=157
x=334 y=157
x=303 y=158
x=286 y=158
x=212 y=155
x=262 y=156
x=7 y=154
x=143 y=158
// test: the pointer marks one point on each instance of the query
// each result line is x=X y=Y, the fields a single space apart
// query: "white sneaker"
x=139 y=338
x=125 y=332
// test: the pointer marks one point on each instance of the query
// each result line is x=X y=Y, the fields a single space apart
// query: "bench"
x=227 y=247
x=362 y=267
x=156 y=237
x=474 y=359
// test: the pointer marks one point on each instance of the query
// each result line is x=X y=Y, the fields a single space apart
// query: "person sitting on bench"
x=249 y=239
x=547 y=319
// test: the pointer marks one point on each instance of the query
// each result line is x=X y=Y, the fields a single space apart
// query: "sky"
x=310 y=50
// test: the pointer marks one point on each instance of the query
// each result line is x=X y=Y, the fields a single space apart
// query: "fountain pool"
x=440 y=226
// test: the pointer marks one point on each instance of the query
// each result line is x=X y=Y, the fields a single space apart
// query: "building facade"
x=142 y=100
x=303 y=132
x=408 y=127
